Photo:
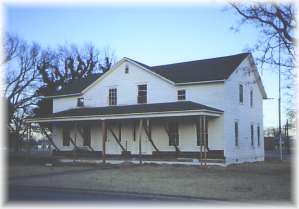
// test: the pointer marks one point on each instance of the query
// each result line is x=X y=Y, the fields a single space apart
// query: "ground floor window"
x=202 y=131
x=173 y=129
x=66 y=136
x=236 y=133
x=258 y=135
x=252 y=134
x=86 y=136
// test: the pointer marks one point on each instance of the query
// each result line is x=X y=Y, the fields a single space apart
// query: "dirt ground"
x=250 y=182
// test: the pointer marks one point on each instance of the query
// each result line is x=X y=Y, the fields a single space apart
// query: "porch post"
x=140 y=141
x=104 y=137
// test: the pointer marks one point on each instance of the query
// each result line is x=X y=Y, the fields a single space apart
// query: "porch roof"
x=169 y=109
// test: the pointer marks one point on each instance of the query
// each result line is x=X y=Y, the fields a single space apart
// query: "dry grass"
x=263 y=181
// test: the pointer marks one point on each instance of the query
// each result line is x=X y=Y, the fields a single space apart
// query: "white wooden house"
x=167 y=110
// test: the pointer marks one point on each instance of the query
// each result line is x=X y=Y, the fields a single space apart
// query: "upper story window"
x=113 y=96
x=127 y=69
x=241 y=89
x=142 y=94
x=251 y=98
x=80 y=102
x=236 y=133
x=182 y=94
x=252 y=134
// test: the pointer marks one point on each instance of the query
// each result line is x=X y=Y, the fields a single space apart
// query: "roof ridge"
x=233 y=55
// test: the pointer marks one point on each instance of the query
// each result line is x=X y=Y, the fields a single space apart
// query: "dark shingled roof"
x=219 y=68
x=77 y=85
x=139 y=108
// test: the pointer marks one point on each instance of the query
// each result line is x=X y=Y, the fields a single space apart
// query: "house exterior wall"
x=244 y=114
x=221 y=95
x=187 y=138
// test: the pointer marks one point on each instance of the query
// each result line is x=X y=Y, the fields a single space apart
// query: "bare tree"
x=276 y=24
x=21 y=82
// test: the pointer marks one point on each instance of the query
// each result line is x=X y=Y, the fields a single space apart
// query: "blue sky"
x=153 y=35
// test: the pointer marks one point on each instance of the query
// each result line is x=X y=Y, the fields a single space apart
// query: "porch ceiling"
x=171 y=109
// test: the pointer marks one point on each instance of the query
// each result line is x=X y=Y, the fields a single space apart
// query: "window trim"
x=174 y=137
x=258 y=131
x=237 y=136
x=252 y=134
x=241 y=95
x=112 y=96
x=80 y=102
x=142 y=96
x=66 y=141
x=89 y=136
x=181 y=95
x=251 y=98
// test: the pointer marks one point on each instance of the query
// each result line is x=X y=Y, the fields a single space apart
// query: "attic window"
x=80 y=102
x=127 y=69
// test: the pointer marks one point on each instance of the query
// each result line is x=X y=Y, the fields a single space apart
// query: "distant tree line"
x=33 y=72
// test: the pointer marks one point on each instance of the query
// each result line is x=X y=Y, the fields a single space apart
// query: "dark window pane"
x=80 y=102
x=241 y=93
x=66 y=137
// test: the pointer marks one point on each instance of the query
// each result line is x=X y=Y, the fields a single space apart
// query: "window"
x=201 y=132
x=112 y=96
x=134 y=131
x=86 y=136
x=66 y=137
x=173 y=129
x=142 y=94
x=127 y=69
x=241 y=94
x=182 y=94
x=252 y=134
x=258 y=135
x=80 y=102
x=236 y=133
x=251 y=98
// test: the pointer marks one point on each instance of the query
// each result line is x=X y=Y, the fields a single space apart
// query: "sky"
x=153 y=35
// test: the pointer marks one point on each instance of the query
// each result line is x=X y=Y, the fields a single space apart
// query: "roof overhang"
x=127 y=116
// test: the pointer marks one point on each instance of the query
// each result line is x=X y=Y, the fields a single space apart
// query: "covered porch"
x=166 y=131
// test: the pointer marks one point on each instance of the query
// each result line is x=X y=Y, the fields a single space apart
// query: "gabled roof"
x=201 y=70
x=215 y=69
x=131 y=110
x=76 y=86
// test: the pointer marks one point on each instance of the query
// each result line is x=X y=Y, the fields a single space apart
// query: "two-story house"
x=211 y=106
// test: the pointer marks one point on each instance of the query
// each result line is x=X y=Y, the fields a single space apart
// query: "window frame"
x=252 y=134
x=112 y=96
x=80 y=102
x=66 y=134
x=127 y=69
x=88 y=139
x=174 y=136
x=237 y=133
x=181 y=97
x=141 y=94
x=258 y=130
x=241 y=93
x=251 y=98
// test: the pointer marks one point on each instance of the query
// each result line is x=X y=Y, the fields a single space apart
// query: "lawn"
x=262 y=181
